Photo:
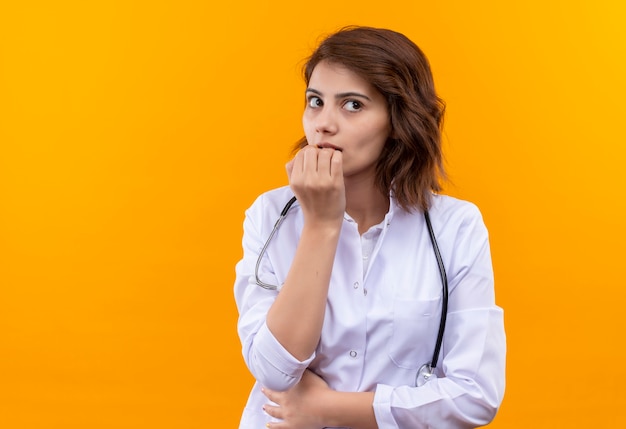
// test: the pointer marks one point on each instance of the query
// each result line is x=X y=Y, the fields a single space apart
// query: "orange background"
x=133 y=135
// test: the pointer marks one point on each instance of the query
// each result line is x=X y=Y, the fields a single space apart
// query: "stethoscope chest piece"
x=424 y=374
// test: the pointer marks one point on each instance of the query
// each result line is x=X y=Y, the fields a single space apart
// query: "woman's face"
x=345 y=112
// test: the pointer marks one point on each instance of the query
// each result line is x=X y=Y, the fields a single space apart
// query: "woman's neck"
x=366 y=204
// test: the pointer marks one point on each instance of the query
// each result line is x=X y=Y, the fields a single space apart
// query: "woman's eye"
x=314 y=102
x=353 y=105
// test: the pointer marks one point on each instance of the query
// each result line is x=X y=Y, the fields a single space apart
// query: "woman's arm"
x=311 y=404
x=276 y=325
x=297 y=315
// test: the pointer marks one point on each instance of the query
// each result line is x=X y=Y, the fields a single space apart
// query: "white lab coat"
x=380 y=328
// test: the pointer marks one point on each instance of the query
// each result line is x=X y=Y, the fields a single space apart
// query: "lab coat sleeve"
x=268 y=361
x=471 y=375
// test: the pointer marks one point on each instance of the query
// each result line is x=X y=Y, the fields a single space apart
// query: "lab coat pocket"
x=414 y=331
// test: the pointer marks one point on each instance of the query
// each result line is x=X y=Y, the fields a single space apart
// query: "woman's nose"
x=326 y=121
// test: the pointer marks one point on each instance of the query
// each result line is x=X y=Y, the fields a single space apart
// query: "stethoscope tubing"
x=444 y=294
x=279 y=221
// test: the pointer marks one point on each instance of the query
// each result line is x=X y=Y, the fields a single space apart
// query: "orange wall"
x=133 y=134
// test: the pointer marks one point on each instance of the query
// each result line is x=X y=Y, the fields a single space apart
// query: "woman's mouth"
x=329 y=146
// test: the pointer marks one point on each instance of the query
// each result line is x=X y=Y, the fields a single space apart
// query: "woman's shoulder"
x=272 y=201
x=448 y=209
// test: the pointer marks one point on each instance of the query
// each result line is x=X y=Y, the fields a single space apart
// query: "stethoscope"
x=427 y=370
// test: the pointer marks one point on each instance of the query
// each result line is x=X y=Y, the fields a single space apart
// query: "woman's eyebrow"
x=341 y=94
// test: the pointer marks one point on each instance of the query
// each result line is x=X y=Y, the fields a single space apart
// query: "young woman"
x=342 y=301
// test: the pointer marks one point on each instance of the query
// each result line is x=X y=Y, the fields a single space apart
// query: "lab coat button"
x=355 y=285
x=353 y=353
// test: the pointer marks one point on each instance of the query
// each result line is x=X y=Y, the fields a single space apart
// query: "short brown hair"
x=411 y=163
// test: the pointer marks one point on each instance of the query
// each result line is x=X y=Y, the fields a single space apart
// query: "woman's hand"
x=302 y=406
x=316 y=178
